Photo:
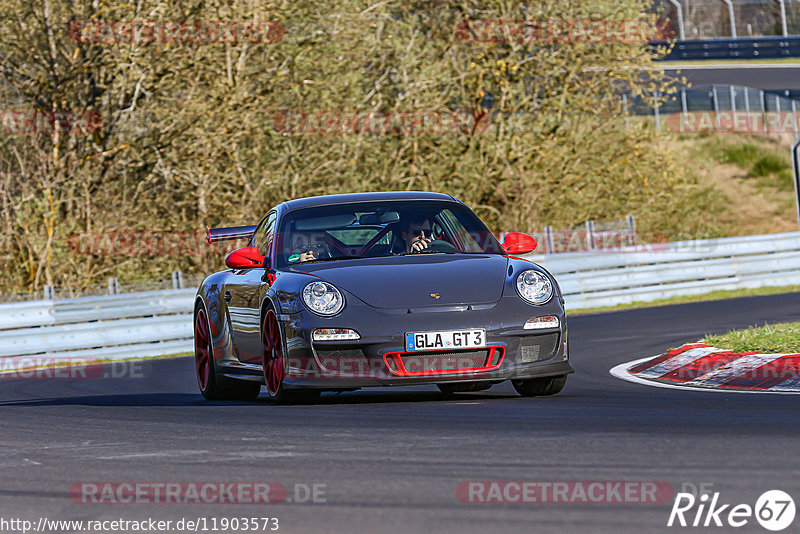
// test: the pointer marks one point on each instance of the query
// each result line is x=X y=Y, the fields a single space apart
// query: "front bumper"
x=370 y=361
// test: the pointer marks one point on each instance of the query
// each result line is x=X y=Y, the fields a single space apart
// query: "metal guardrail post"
x=548 y=240
x=113 y=286
x=747 y=102
x=49 y=292
x=684 y=102
x=732 y=92
x=590 y=245
x=177 y=280
x=632 y=226
x=714 y=98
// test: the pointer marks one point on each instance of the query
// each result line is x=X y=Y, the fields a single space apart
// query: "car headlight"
x=323 y=298
x=534 y=287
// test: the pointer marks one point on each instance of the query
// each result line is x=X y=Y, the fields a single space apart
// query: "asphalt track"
x=391 y=459
x=766 y=77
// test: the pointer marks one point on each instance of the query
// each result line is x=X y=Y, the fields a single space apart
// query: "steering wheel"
x=437 y=245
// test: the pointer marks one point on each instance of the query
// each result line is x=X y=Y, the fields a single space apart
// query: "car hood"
x=410 y=281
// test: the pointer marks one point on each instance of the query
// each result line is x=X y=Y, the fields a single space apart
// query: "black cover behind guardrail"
x=742 y=48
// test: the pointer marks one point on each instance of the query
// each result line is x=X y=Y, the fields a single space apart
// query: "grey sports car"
x=340 y=292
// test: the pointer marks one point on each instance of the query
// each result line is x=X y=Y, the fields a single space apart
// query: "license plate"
x=446 y=340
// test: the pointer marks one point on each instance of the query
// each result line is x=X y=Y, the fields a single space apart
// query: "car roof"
x=364 y=197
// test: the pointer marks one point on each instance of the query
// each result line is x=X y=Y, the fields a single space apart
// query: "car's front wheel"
x=212 y=385
x=274 y=363
x=540 y=387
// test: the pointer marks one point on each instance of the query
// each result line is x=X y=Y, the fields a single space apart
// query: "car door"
x=243 y=296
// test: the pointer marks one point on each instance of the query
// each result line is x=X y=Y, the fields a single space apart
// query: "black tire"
x=540 y=387
x=214 y=386
x=449 y=388
x=274 y=364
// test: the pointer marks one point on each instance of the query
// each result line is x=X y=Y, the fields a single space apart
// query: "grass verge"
x=770 y=338
x=713 y=295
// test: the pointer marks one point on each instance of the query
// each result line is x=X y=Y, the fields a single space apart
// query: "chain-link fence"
x=779 y=109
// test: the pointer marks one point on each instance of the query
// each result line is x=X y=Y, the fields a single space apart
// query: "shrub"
x=766 y=165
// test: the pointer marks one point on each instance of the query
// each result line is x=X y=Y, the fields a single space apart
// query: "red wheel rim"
x=202 y=353
x=273 y=353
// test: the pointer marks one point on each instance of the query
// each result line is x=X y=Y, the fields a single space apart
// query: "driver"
x=416 y=233
x=303 y=253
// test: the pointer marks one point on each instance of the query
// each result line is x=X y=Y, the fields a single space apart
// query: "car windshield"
x=387 y=228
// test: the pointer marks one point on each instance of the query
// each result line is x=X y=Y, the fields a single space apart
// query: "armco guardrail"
x=740 y=48
x=155 y=323
x=151 y=323
x=593 y=279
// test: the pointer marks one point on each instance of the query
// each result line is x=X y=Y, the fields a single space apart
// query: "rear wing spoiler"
x=228 y=234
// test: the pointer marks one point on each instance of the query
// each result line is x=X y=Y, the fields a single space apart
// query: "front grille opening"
x=343 y=361
x=444 y=362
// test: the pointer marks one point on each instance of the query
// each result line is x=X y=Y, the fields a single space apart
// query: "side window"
x=437 y=230
x=470 y=241
x=264 y=234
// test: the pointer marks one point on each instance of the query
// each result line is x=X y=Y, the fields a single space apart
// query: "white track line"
x=621 y=371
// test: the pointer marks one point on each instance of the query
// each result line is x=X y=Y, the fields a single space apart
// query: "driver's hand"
x=419 y=245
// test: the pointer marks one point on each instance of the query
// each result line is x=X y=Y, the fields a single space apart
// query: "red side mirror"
x=518 y=243
x=244 y=258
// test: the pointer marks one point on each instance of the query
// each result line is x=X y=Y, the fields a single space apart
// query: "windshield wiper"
x=423 y=251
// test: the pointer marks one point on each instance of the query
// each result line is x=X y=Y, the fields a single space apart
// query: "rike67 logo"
x=774 y=510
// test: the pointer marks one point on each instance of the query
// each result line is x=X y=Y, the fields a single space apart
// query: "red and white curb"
x=698 y=366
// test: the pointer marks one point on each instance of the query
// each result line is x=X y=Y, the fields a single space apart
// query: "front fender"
x=221 y=339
